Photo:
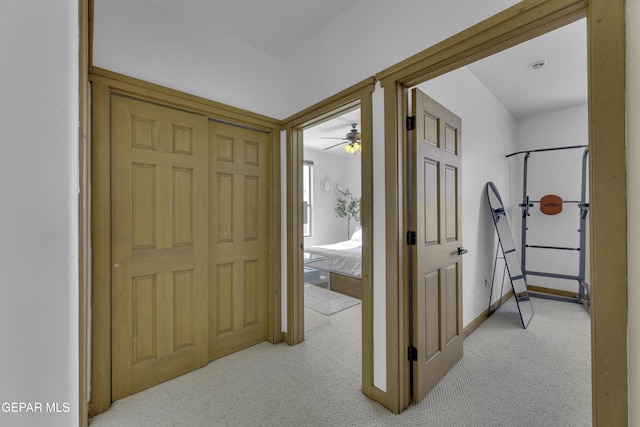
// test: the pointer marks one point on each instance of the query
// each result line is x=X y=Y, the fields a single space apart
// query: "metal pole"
x=493 y=278
x=525 y=214
x=547 y=149
x=584 y=210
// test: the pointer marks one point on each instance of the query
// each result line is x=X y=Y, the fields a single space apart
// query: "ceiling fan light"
x=357 y=146
x=349 y=148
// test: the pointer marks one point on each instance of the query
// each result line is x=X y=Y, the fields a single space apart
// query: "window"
x=307 y=177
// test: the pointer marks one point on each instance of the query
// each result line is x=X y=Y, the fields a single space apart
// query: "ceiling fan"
x=352 y=139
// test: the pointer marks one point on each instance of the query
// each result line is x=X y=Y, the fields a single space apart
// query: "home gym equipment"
x=510 y=256
x=552 y=205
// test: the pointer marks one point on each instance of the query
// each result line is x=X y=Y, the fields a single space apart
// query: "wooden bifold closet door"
x=189 y=242
x=238 y=239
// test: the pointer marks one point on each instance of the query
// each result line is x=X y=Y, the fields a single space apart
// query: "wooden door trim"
x=358 y=94
x=606 y=63
x=519 y=23
x=100 y=399
x=103 y=84
x=85 y=19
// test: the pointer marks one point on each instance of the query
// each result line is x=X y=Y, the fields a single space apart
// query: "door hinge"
x=411 y=122
x=412 y=353
x=412 y=238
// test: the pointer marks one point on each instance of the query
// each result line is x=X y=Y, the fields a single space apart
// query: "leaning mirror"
x=517 y=277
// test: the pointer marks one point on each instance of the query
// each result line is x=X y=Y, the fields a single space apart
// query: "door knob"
x=462 y=251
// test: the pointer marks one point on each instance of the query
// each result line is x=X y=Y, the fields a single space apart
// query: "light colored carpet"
x=325 y=301
x=508 y=377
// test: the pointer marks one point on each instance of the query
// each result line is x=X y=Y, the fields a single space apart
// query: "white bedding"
x=343 y=257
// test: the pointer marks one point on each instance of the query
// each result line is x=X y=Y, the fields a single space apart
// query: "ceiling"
x=561 y=83
x=314 y=137
x=281 y=27
x=275 y=27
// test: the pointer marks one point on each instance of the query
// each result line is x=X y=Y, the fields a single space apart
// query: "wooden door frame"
x=103 y=84
x=85 y=51
x=607 y=141
x=358 y=94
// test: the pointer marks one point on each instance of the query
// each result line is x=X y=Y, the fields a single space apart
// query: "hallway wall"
x=142 y=39
x=371 y=36
x=39 y=215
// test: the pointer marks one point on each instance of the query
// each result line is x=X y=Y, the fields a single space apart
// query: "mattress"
x=343 y=257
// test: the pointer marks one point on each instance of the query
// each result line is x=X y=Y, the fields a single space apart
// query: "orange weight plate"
x=551 y=204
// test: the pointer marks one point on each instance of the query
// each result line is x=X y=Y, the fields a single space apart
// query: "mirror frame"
x=510 y=255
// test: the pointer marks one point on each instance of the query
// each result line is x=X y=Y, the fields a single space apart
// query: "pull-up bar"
x=583 y=287
x=547 y=149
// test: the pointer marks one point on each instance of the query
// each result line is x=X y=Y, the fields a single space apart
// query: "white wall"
x=326 y=226
x=553 y=172
x=38 y=219
x=354 y=172
x=143 y=39
x=488 y=134
x=357 y=44
x=379 y=245
x=633 y=192
x=283 y=227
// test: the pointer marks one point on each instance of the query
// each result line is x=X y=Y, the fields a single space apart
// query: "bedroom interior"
x=331 y=224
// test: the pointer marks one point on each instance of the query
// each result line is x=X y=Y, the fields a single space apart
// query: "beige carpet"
x=507 y=377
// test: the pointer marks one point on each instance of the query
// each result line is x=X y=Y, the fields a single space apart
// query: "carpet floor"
x=508 y=376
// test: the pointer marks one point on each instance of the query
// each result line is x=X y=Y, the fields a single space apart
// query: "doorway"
x=496 y=126
x=357 y=96
x=332 y=233
x=499 y=33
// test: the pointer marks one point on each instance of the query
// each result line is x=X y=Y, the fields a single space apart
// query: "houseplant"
x=348 y=206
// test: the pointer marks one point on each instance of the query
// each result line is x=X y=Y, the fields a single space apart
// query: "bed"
x=344 y=263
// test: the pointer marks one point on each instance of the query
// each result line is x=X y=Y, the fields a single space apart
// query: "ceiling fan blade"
x=335 y=145
x=352 y=136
